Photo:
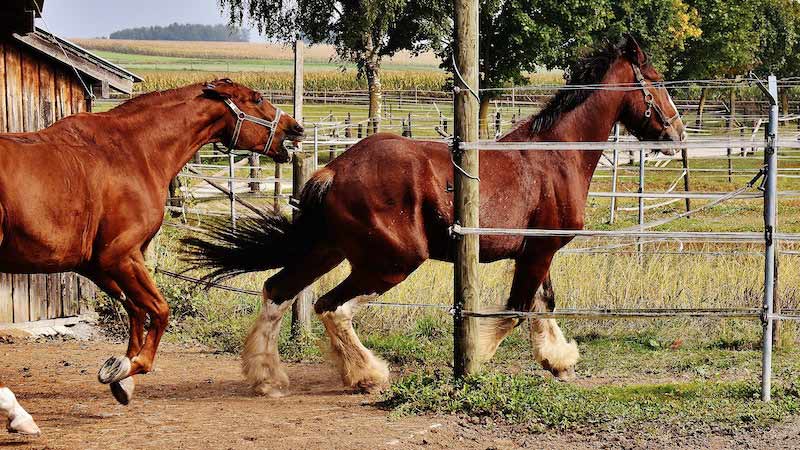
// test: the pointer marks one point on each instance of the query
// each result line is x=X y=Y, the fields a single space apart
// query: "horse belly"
x=40 y=233
x=32 y=251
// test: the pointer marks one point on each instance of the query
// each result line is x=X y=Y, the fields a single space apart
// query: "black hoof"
x=123 y=390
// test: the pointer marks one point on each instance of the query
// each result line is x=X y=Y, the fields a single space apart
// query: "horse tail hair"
x=260 y=243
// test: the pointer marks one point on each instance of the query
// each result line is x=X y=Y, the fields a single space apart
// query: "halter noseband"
x=242 y=117
x=649 y=101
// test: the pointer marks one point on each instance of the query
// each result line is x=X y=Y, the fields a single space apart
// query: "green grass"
x=541 y=403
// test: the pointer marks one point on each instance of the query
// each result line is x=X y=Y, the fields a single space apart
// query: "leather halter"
x=649 y=101
x=242 y=117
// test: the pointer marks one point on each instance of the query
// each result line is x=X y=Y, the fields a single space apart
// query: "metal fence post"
x=316 y=147
x=614 y=170
x=231 y=172
x=770 y=222
x=642 y=157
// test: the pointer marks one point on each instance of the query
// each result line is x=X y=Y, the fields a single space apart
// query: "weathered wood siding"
x=35 y=92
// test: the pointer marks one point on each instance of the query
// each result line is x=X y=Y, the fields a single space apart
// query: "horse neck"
x=591 y=121
x=169 y=136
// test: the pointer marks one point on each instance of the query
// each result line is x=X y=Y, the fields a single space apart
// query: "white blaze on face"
x=672 y=103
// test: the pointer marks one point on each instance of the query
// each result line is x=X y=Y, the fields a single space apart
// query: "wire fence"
x=740 y=142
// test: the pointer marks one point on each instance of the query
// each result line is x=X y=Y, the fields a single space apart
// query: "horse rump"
x=260 y=243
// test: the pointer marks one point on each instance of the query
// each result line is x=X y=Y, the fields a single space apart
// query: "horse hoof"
x=115 y=369
x=123 y=390
x=269 y=390
x=565 y=374
x=24 y=425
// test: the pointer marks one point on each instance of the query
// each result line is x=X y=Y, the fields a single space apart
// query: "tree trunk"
x=731 y=123
x=700 y=107
x=375 y=97
x=785 y=101
x=483 y=117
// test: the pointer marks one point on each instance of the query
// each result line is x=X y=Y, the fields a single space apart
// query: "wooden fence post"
x=302 y=167
x=466 y=190
x=277 y=190
x=255 y=171
x=686 y=188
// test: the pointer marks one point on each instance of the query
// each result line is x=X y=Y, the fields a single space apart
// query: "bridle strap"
x=650 y=102
x=242 y=117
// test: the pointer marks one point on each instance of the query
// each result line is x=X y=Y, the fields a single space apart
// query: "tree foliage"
x=521 y=36
x=779 y=47
x=363 y=31
x=185 y=32
x=728 y=44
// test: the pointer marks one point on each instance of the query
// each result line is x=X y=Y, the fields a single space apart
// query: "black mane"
x=587 y=70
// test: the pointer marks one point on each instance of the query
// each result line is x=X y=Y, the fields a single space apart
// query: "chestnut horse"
x=384 y=205
x=88 y=193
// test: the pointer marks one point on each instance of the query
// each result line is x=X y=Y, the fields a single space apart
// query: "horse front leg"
x=19 y=421
x=529 y=272
x=550 y=348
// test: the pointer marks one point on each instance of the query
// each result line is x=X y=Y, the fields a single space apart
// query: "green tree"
x=727 y=47
x=779 y=51
x=522 y=36
x=363 y=31
x=185 y=32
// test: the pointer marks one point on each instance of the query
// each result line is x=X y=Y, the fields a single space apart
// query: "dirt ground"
x=196 y=399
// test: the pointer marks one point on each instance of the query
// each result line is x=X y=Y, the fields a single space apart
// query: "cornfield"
x=235 y=50
x=158 y=80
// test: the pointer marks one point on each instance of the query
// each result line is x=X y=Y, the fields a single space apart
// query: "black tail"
x=262 y=243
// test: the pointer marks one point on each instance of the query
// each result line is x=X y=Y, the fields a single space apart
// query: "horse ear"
x=631 y=49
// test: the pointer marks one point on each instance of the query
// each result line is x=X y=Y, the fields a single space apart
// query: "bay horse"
x=87 y=194
x=385 y=206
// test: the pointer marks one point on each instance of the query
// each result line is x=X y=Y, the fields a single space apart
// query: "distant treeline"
x=184 y=32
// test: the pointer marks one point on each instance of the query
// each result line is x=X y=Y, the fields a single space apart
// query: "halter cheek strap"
x=242 y=117
x=650 y=102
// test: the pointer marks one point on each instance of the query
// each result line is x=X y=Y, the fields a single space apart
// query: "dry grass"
x=234 y=50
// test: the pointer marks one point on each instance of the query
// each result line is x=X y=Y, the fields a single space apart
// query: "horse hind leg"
x=550 y=348
x=261 y=364
x=357 y=365
x=123 y=390
x=19 y=421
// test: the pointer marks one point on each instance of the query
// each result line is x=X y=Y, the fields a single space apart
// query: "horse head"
x=254 y=123
x=648 y=110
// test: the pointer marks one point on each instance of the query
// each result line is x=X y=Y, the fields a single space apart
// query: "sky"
x=96 y=18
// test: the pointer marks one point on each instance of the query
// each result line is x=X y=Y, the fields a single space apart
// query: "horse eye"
x=259 y=100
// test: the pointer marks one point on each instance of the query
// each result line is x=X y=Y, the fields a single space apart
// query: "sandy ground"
x=196 y=399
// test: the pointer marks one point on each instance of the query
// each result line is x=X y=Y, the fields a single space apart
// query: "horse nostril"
x=298 y=129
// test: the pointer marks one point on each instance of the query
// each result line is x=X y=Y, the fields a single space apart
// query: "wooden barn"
x=44 y=78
